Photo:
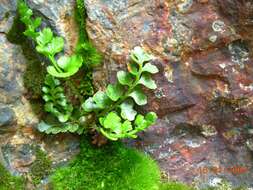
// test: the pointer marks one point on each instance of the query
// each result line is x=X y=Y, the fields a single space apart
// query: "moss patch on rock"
x=84 y=47
x=35 y=71
x=41 y=167
x=113 y=167
x=175 y=186
x=9 y=182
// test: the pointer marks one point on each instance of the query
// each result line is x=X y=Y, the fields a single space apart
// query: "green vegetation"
x=35 y=71
x=117 y=102
x=175 y=186
x=41 y=167
x=84 y=47
x=49 y=45
x=56 y=102
x=112 y=166
x=113 y=110
x=9 y=182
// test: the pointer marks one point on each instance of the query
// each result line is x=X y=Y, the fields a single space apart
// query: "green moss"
x=34 y=75
x=35 y=71
x=41 y=167
x=175 y=186
x=111 y=167
x=9 y=182
x=84 y=47
x=80 y=16
x=15 y=34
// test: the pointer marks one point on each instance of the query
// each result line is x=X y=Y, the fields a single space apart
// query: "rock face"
x=204 y=99
x=19 y=140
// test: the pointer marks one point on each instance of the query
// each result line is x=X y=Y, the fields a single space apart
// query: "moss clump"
x=111 y=167
x=9 y=182
x=34 y=75
x=41 y=167
x=175 y=186
x=84 y=47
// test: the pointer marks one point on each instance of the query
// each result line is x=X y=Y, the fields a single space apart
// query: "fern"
x=56 y=102
x=49 y=45
x=111 y=112
x=70 y=127
x=114 y=108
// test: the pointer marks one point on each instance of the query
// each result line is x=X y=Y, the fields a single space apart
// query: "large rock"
x=19 y=140
x=7 y=14
x=204 y=97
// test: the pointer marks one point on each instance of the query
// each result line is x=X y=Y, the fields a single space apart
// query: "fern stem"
x=51 y=58
x=123 y=98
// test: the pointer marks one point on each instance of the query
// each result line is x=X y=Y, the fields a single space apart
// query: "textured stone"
x=18 y=135
x=7 y=14
x=204 y=53
x=6 y=116
x=12 y=67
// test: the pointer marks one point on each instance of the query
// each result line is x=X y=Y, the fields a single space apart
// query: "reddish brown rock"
x=205 y=85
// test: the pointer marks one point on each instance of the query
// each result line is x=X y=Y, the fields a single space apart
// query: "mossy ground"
x=175 y=186
x=41 y=167
x=113 y=167
x=9 y=182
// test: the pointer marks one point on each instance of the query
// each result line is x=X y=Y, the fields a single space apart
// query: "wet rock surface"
x=204 y=97
x=18 y=137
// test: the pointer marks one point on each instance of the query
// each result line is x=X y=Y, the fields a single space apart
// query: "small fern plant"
x=111 y=112
x=49 y=45
x=114 y=108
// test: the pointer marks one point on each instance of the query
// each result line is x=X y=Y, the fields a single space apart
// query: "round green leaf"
x=56 y=45
x=140 y=56
x=127 y=111
x=150 y=68
x=52 y=71
x=139 y=97
x=126 y=126
x=45 y=36
x=151 y=118
x=140 y=121
x=63 y=62
x=124 y=78
x=101 y=99
x=89 y=105
x=63 y=118
x=42 y=126
x=112 y=121
x=114 y=92
x=133 y=68
x=147 y=81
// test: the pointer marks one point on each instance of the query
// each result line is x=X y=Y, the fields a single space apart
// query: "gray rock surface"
x=7 y=116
